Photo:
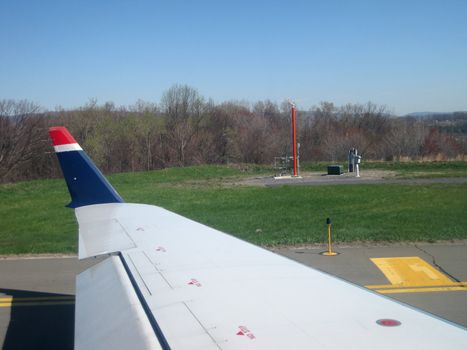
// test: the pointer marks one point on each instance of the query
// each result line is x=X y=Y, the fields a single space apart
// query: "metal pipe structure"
x=294 y=140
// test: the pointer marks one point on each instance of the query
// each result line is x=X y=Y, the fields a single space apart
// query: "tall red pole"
x=294 y=140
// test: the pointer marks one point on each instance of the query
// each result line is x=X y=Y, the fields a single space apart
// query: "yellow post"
x=329 y=252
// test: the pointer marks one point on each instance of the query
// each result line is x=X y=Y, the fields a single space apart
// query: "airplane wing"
x=171 y=283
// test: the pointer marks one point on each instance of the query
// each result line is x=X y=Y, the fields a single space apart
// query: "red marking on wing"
x=194 y=282
x=61 y=136
x=245 y=331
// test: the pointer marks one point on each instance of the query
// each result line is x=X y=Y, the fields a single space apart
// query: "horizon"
x=247 y=104
x=407 y=56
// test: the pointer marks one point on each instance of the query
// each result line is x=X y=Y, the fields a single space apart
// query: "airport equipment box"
x=335 y=170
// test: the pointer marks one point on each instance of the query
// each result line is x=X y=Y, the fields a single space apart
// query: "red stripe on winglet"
x=61 y=136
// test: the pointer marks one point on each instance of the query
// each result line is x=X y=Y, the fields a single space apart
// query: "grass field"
x=33 y=218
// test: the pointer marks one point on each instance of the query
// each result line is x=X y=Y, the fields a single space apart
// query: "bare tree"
x=406 y=138
x=184 y=107
x=182 y=102
x=21 y=131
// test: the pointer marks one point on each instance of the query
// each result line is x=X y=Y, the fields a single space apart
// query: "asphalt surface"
x=37 y=294
x=353 y=264
x=42 y=312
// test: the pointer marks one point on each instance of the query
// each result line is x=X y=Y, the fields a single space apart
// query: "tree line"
x=185 y=129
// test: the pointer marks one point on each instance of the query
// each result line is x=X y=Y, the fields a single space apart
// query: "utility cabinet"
x=335 y=170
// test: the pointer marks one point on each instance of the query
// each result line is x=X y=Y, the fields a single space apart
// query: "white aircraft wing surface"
x=172 y=283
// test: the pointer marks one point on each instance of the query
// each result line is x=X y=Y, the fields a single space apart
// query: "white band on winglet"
x=68 y=147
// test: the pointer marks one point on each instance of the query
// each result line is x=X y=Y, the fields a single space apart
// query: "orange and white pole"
x=294 y=139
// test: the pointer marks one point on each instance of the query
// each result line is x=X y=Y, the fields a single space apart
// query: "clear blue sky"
x=409 y=55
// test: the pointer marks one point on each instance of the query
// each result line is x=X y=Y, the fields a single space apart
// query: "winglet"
x=85 y=182
x=61 y=137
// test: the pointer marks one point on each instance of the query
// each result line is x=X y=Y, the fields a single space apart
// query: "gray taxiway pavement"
x=354 y=265
x=37 y=302
x=37 y=295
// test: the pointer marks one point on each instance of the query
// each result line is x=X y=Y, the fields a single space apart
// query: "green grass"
x=192 y=175
x=33 y=218
x=295 y=215
x=421 y=169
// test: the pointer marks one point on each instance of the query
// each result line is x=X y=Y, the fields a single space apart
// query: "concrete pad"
x=368 y=177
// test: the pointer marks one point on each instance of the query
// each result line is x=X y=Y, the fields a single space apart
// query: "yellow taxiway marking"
x=60 y=297
x=413 y=275
x=410 y=271
x=42 y=303
x=420 y=290
x=393 y=286
x=9 y=301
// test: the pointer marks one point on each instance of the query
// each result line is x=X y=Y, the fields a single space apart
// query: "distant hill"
x=451 y=123
x=436 y=114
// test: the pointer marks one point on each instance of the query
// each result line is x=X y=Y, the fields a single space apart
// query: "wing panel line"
x=202 y=326
x=158 y=271
x=139 y=274
x=152 y=320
